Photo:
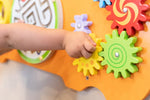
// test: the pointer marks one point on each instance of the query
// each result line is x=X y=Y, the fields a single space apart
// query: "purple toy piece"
x=81 y=23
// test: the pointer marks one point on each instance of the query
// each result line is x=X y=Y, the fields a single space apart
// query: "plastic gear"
x=91 y=65
x=103 y=3
x=120 y=54
x=5 y=11
x=128 y=15
x=81 y=23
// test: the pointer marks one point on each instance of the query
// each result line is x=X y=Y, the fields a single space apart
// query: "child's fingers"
x=85 y=53
x=78 y=55
x=75 y=54
x=91 y=40
x=89 y=46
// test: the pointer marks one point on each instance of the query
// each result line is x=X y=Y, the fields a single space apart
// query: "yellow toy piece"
x=91 y=65
x=5 y=11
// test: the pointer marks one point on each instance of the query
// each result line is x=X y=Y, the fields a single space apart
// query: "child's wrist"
x=65 y=40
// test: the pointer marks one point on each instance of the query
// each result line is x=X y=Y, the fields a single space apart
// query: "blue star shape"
x=103 y=3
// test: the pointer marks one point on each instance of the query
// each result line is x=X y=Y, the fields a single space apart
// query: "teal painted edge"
x=46 y=54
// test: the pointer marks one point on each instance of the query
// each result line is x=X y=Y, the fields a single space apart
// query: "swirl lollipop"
x=128 y=15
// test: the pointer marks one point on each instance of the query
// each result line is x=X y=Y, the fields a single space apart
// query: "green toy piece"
x=119 y=54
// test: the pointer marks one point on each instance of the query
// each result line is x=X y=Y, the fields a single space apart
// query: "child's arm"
x=28 y=37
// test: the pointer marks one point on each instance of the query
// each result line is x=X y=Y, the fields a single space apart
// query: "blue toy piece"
x=103 y=3
x=81 y=23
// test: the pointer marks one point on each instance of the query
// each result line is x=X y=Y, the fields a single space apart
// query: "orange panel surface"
x=134 y=88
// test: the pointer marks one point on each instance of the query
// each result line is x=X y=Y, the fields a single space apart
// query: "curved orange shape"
x=134 y=88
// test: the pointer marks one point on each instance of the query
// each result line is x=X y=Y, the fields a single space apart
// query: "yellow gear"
x=91 y=65
x=5 y=11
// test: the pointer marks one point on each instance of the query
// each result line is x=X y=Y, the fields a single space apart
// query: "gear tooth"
x=73 y=24
x=120 y=29
x=103 y=62
x=136 y=49
x=92 y=35
x=85 y=72
x=101 y=53
x=114 y=26
x=87 y=31
x=97 y=66
x=76 y=17
x=84 y=17
x=136 y=60
x=140 y=48
x=75 y=62
x=109 y=70
x=103 y=44
x=87 y=23
x=92 y=71
x=108 y=37
x=109 y=17
x=117 y=74
x=131 y=41
x=79 y=69
x=124 y=35
x=108 y=2
x=143 y=18
x=98 y=42
x=100 y=58
x=115 y=34
x=99 y=48
x=139 y=26
x=102 y=4
x=132 y=68
x=131 y=31
x=95 y=0
x=145 y=7
x=125 y=74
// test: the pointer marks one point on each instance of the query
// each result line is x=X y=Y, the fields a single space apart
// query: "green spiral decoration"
x=119 y=54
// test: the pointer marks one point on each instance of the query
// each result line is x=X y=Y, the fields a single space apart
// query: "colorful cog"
x=128 y=15
x=81 y=23
x=5 y=11
x=120 y=54
x=103 y=3
x=91 y=65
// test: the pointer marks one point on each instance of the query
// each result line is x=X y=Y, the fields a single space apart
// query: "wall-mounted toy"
x=128 y=15
x=91 y=65
x=46 y=13
x=81 y=23
x=5 y=11
x=120 y=54
x=135 y=87
x=103 y=3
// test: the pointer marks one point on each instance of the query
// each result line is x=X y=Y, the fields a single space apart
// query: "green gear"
x=120 y=54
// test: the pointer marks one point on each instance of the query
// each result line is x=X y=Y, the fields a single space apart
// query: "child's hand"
x=79 y=44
